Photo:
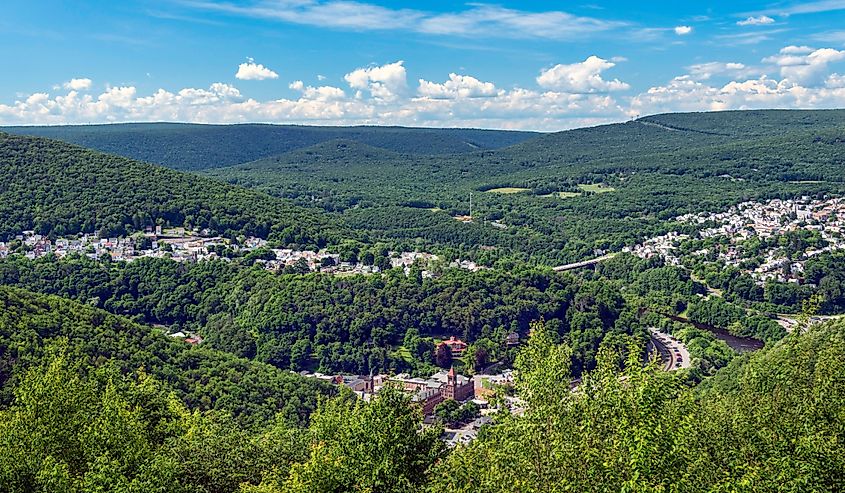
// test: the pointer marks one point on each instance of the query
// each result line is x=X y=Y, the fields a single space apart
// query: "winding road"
x=672 y=351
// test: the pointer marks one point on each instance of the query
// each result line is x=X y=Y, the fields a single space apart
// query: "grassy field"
x=596 y=188
x=507 y=190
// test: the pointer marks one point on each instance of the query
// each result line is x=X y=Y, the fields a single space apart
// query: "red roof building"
x=456 y=345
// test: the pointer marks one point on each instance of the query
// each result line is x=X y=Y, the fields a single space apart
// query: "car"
x=679 y=360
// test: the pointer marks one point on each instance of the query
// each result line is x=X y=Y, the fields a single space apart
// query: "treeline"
x=197 y=147
x=656 y=174
x=768 y=422
x=771 y=421
x=350 y=324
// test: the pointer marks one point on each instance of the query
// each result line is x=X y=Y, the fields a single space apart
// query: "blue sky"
x=534 y=65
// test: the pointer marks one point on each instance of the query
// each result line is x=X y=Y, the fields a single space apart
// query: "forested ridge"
x=186 y=146
x=652 y=169
x=202 y=378
x=339 y=189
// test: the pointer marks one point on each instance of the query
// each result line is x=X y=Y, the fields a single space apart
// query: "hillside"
x=656 y=168
x=350 y=324
x=58 y=188
x=749 y=122
x=197 y=147
x=202 y=378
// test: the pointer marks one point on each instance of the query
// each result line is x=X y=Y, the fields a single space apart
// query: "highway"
x=671 y=350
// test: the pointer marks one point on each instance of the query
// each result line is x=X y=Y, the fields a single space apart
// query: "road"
x=584 y=263
x=670 y=350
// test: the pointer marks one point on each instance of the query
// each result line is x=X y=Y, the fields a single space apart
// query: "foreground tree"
x=378 y=447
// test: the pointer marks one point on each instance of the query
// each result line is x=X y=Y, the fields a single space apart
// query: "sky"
x=531 y=65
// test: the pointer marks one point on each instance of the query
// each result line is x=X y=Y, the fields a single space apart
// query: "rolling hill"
x=657 y=167
x=58 y=188
x=197 y=147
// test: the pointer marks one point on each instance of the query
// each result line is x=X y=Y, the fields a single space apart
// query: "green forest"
x=656 y=170
x=770 y=421
x=60 y=189
x=338 y=324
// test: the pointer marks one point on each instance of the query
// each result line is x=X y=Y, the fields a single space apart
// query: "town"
x=181 y=245
x=441 y=392
x=733 y=228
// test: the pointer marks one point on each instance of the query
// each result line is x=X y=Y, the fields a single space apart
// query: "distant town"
x=731 y=229
x=182 y=245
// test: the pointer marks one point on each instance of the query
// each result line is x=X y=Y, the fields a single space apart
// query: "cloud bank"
x=562 y=96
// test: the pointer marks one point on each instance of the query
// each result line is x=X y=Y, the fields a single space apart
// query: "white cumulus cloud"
x=683 y=30
x=756 y=21
x=582 y=77
x=458 y=86
x=704 y=71
x=254 y=71
x=322 y=93
x=386 y=82
x=802 y=79
x=805 y=65
x=77 y=84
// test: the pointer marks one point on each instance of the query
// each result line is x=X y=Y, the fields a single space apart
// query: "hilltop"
x=203 y=378
x=195 y=147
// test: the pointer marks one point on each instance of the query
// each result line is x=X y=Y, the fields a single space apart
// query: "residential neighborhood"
x=182 y=245
x=755 y=220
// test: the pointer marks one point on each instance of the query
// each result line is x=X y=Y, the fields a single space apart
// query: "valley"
x=350 y=279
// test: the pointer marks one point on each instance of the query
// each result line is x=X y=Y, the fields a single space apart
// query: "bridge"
x=584 y=263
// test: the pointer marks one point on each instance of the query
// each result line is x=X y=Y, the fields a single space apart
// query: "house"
x=455 y=345
x=512 y=339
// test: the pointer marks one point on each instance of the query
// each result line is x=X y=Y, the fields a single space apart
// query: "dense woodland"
x=652 y=171
x=60 y=189
x=771 y=421
x=344 y=324
x=202 y=378
x=649 y=172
